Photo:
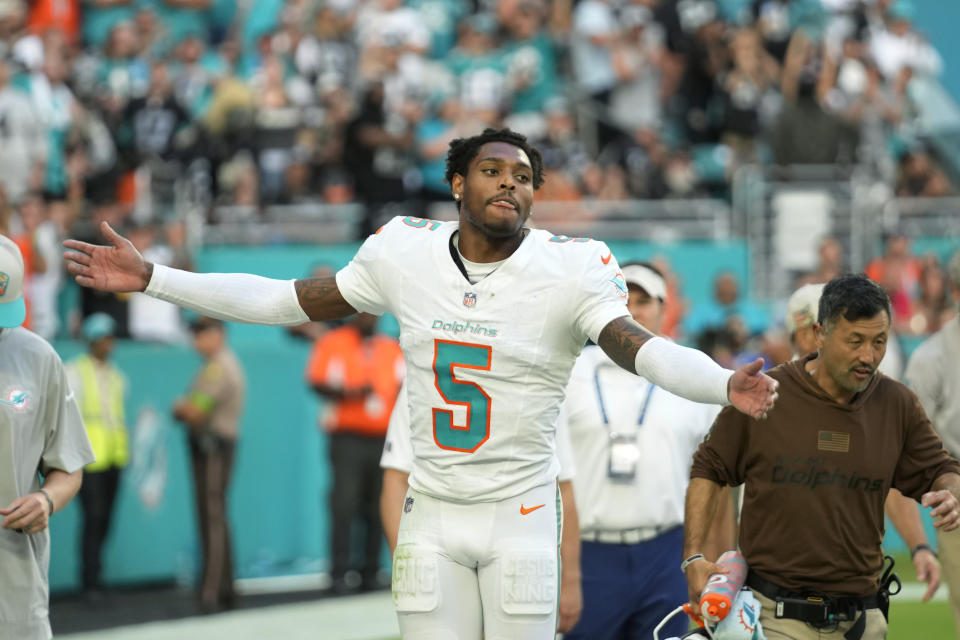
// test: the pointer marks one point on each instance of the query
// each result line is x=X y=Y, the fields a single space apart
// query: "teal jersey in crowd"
x=433 y=171
x=534 y=63
x=177 y=23
x=262 y=18
x=96 y=22
x=441 y=18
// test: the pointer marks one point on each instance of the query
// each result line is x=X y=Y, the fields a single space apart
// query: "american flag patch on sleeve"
x=833 y=441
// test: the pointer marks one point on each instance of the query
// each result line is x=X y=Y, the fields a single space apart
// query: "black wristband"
x=923 y=547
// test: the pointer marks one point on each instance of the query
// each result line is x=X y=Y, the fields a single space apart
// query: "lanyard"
x=603 y=407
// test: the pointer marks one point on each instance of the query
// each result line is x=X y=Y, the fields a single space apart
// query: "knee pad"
x=415 y=581
x=529 y=582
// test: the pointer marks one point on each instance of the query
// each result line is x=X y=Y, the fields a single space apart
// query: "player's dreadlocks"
x=463 y=150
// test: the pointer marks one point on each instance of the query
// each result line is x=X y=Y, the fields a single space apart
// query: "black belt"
x=820 y=610
x=841 y=603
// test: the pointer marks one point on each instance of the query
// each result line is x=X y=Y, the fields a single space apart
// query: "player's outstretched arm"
x=320 y=298
x=237 y=297
x=687 y=372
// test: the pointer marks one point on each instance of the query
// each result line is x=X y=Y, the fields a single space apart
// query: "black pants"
x=355 y=494
x=97 y=495
x=212 y=459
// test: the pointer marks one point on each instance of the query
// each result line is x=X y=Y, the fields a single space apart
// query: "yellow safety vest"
x=109 y=443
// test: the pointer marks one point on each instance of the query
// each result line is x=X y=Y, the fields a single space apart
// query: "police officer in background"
x=633 y=443
x=211 y=411
x=100 y=390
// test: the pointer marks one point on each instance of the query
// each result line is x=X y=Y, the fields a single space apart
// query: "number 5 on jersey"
x=447 y=357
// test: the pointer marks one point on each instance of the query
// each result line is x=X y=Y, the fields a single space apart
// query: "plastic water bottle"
x=716 y=600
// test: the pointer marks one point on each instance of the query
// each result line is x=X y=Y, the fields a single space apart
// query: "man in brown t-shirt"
x=817 y=472
x=211 y=410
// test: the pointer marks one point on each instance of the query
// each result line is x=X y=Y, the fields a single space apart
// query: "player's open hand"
x=752 y=391
x=945 y=509
x=28 y=514
x=118 y=267
x=928 y=571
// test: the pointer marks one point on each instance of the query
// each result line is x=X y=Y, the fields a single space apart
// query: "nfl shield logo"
x=4 y=279
x=408 y=505
x=469 y=299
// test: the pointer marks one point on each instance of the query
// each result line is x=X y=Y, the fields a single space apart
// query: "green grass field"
x=918 y=620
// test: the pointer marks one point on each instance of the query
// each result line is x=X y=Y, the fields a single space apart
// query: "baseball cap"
x=645 y=278
x=13 y=310
x=803 y=307
x=98 y=325
x=902 y=10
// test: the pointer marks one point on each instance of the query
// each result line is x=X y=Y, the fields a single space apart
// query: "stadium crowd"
x=122 y=110
x=109 y=110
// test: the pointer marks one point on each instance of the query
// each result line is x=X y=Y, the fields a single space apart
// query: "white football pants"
x=466 y=571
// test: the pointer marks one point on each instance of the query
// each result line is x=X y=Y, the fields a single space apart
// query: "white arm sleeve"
x=237 y=297
x=686 y=372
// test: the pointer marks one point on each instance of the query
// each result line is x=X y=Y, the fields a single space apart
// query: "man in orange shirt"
x=358 y=372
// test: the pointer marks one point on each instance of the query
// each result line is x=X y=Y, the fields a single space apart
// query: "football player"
x=492 y=315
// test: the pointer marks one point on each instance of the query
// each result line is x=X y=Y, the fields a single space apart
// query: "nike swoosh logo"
x=524 y=511
x=607 y=259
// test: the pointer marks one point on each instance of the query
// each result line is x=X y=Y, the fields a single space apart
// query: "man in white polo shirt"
x=41 y=436
x=633 y=445
x=397 y=461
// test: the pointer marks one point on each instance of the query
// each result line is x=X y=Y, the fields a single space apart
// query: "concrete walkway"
x=363 y=617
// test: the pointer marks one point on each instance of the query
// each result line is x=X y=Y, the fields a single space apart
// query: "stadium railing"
x=649 y=220
x=785 y=211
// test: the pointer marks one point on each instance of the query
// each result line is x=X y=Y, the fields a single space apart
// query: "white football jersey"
x=398 y=451
x=605 y=402
x=487 y=363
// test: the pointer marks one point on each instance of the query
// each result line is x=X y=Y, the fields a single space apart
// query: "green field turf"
x=918 y=620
